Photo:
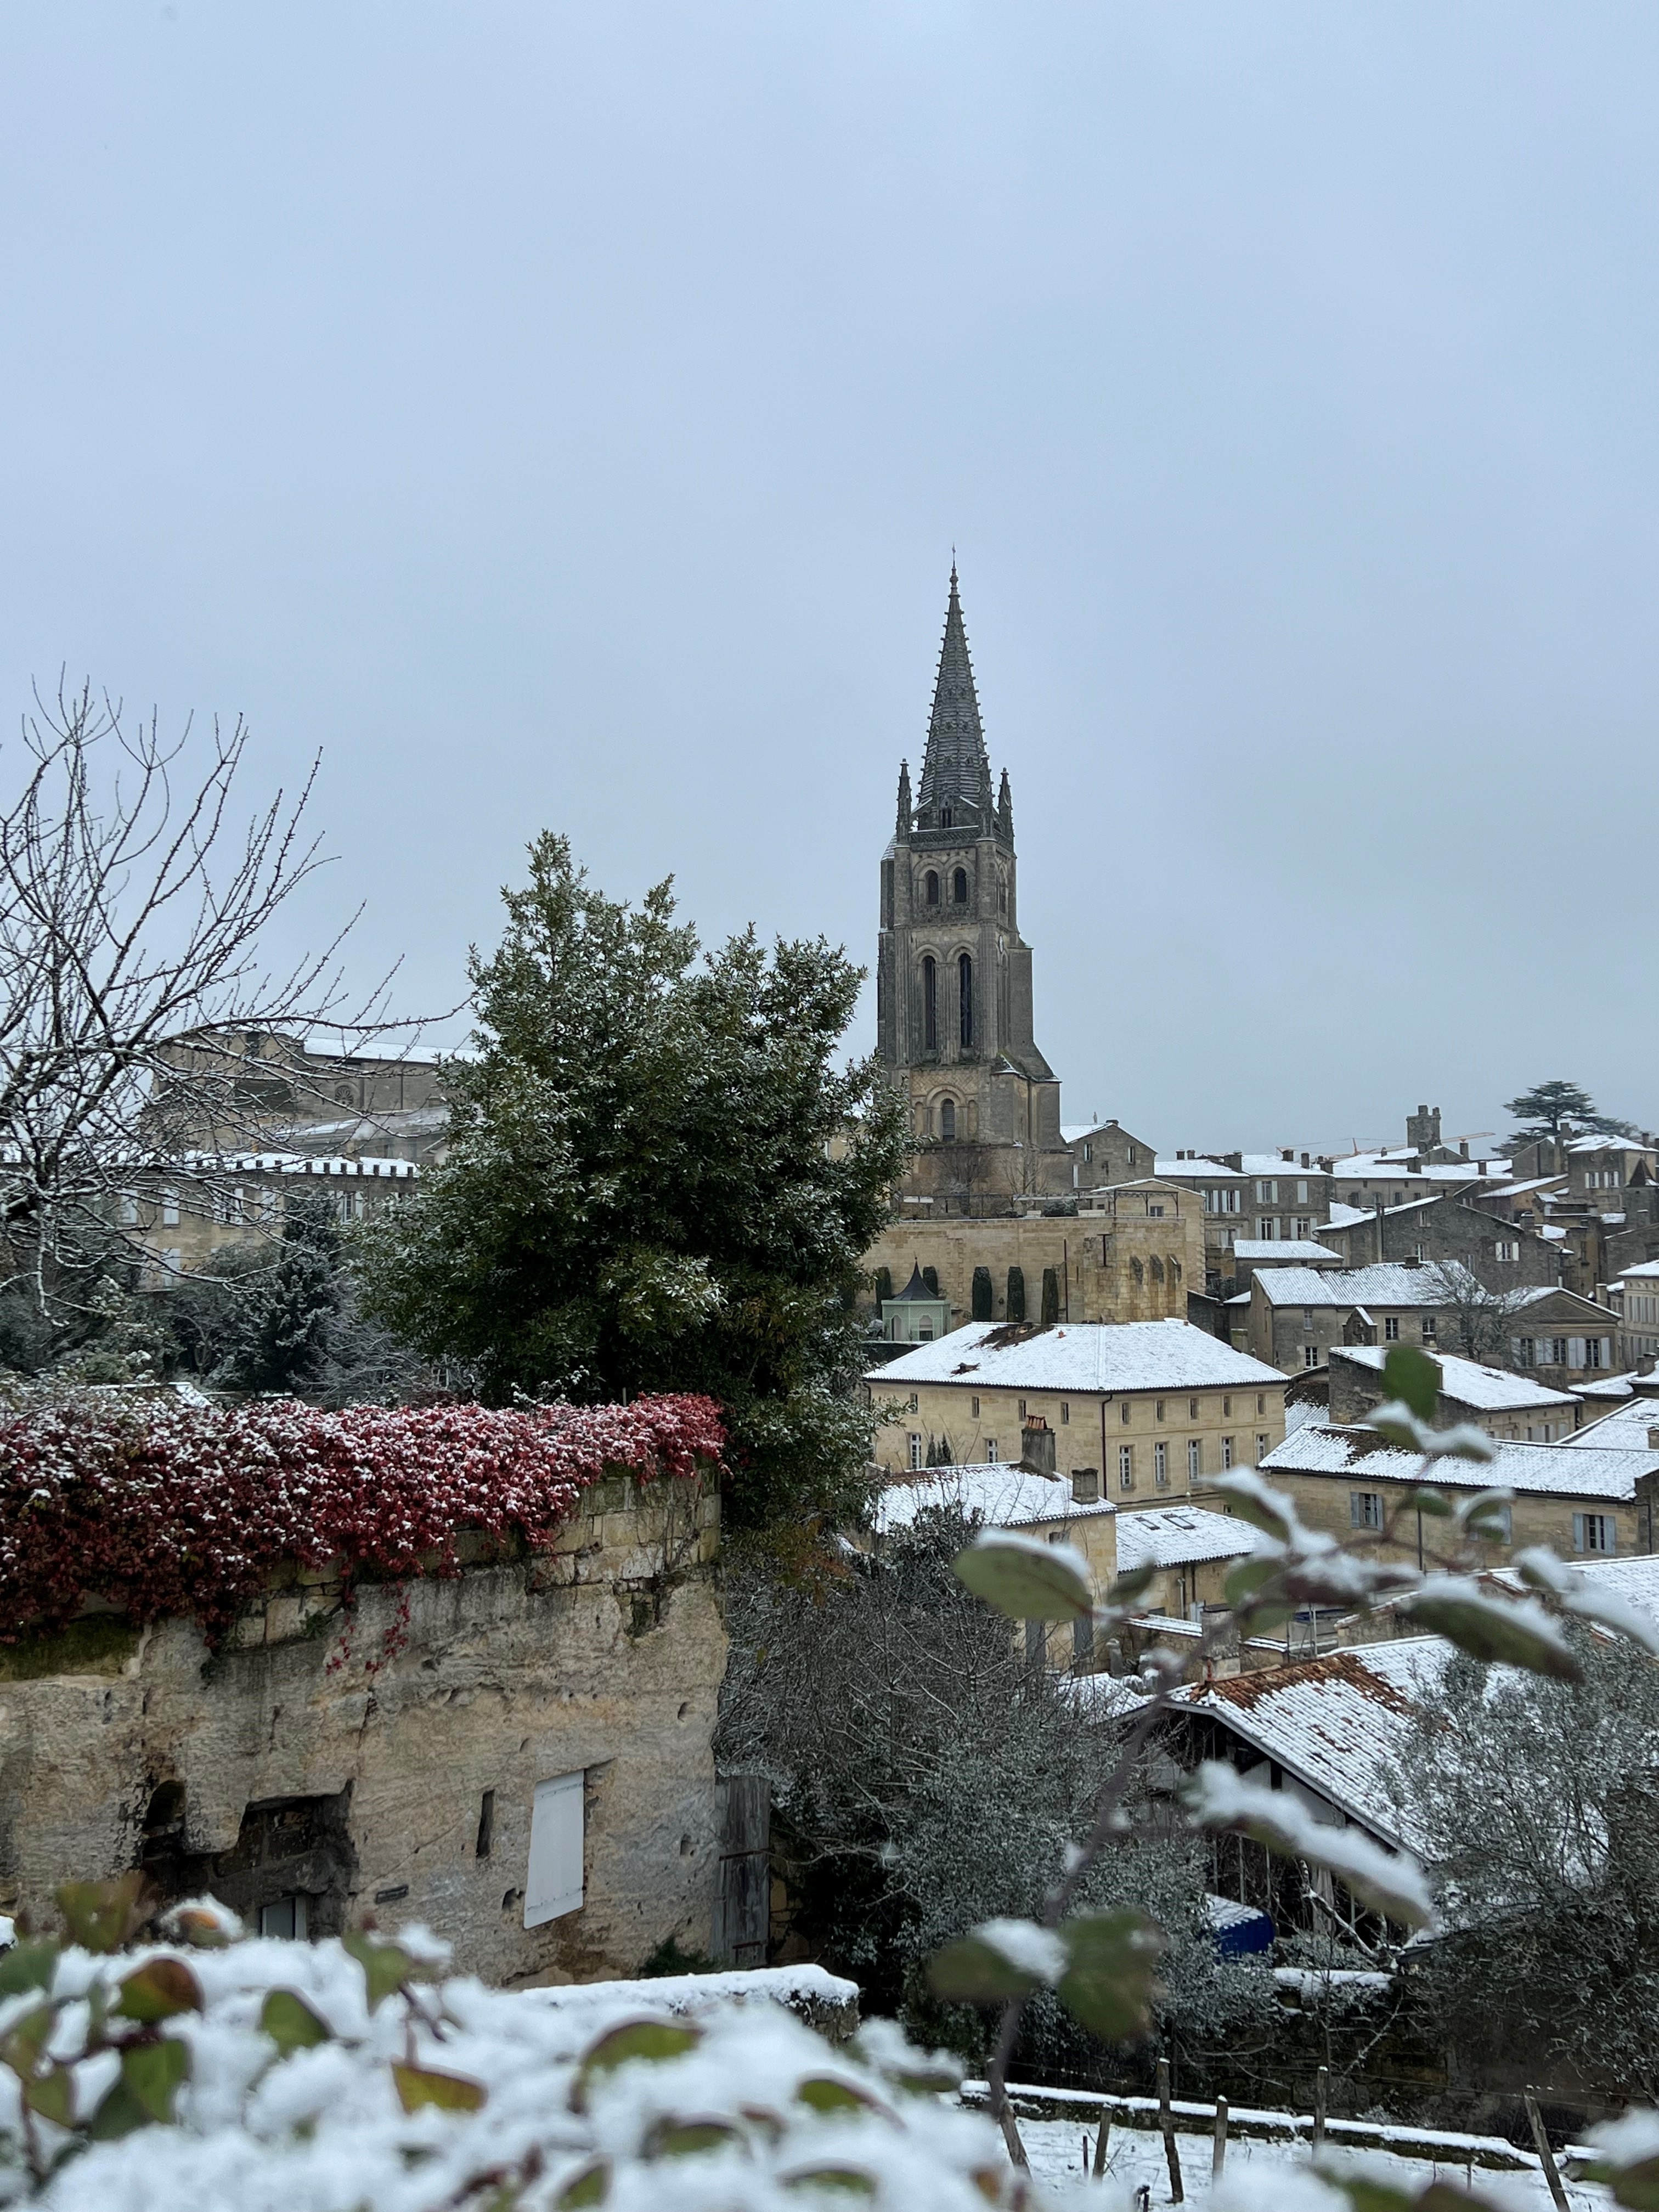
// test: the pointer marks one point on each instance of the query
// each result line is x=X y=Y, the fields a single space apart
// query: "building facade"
x=953 y=974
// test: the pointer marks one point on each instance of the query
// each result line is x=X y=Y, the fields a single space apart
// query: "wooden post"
x=1321 y=2082
x=1166 y=2122
x=1102 y=2133
x=1219 y=2156
x=1546 y=2155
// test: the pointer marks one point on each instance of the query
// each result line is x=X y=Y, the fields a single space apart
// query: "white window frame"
x=917 y=1451
x=1161 y=1465
x=1597 y=1534
x=554 y=1879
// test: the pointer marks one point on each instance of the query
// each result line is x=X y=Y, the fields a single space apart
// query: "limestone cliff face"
x=385 y=1758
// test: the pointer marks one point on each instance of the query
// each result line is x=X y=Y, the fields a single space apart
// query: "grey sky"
x=564 y=417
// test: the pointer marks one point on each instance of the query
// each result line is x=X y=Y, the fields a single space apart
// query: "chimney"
x=1463 y=1148
x=1085 y=1485
x=1286 y=1154
x=1304 y=1159
x=1480 y=1167
x=1036 y=1448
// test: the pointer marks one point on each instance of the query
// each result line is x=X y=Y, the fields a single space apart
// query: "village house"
x=1104 y=1153
x=517 y=1753
x=997 y=1495
x=184 y=1214
x=1296 y=1315
x=1502 y=1255
x=1603 y=1170
x=1579 y=1498
x=1187 y=1551
x=1561 y=1337
x=1635 y=1299
x=1250 y=1253
x=1132 y=1253
x=1508 y=1408
x=1149 y=1409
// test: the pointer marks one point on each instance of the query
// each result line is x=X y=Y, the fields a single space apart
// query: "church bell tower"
x=953 y=974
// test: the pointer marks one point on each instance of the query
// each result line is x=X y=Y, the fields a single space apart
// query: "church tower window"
x=959 y=887
x=929 y=1005
x=947 y=1121
x=965 y=986
x=930 y=888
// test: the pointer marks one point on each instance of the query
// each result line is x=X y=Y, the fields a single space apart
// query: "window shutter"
x=554 y=1884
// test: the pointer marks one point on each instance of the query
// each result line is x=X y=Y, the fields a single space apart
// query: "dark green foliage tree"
x=930 y=1276
x=883 y=1284
x=1016 y=1293
x=940 y=1452
x=1050 y=1296
x=981 y=1294
x=658 y=1177
x=1547 y=1106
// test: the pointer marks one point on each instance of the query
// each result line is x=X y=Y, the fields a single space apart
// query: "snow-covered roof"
x=1178 y=1535
x=1570 y=1469
x=1609 y=1388
x=1385 y=1282
x=1084 y=1356
x=1625 y=1429
x=1647 y=1269
x=1202 y=1168
x=1285 y=1249
x=1488 y=1389
x=1533 y=1182
x=1334 y=1723
x=1528 y=1294
x=294 y=1164
x=1377 y=1167
x=995 y=1493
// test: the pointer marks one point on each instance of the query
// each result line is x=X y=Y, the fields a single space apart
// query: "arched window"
x=965 y=990
x=959 y=887
x=947 y=1121
x=930 y=888
x=944 y=817
x=929 y=1003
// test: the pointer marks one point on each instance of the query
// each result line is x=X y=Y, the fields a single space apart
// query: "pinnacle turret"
x=955 y=768
x=1006 y=809
x=906 y=812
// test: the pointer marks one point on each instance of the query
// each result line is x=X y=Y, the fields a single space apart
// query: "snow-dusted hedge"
x=170 y=1509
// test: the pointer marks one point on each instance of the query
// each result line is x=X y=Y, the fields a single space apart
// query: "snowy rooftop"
x=1528 y=1294
x=1610 y=1388
x=1285 y=1249
x=1176 y=1535
x=1336 y=1724
x=1625 y=1429
x=1390 y=1282
x=1488 y=1389
x=1376 y=1167
x=1647 y=1269
x=1201 y=1167
x=1084 y=1356
x=996 y=1494
x=1573 y=1469
x=296 y=1164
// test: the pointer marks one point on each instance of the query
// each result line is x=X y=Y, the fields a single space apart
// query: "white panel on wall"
x=554 y=1884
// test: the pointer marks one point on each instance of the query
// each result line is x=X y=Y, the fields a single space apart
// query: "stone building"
x=1509 y=1408
x=953 y=974
x=1146 y=1409
x=520 y=1756
x=1501 y=1254
x=183 y=1215
x=1132 y=1253
x=1295 y=1316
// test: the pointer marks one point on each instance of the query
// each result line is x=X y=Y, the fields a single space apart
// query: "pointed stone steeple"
x=1006 y=809
x=906 y=812
x=955 y=768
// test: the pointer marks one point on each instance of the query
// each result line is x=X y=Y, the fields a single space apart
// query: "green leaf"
x=1413 y=1378
x=26 y=2040
x=153 y=2072
x=654 y=2039
x=1240 y=1585
x=52 y=2095
x=1252 y=1499
x=101 y=1915
x=1518 y=1634
x=825 y=2093
x=1636 y=2185
x=118 y=2114
x=1434 y=1502
x=28 y=1965
x=591 y=2184
x=1026 y=1578
x=852 y=2181
x=1000 y=1959
x=1127 y=1587
x=290 y=2023
x=158 y=1989
x=1108 y=1983
x=386 y=1966
x=450 y=2093
x=671 y=2138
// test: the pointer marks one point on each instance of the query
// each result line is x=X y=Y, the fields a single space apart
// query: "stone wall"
x=384 y=1759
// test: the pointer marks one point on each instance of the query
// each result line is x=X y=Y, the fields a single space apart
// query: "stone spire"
x=1006 y=809
x=906 y=812
x=955 y=768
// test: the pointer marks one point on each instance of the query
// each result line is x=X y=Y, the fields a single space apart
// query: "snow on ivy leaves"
x=165 y=1508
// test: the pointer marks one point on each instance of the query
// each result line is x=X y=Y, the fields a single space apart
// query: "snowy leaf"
x=1026 y=1578
x=1485 y=1515
x=1539 y=1567
x=590 y=2184
x=203 y=1922
x=1219 y=1797
x=1127 y=1587
x=1398 y=1425
x=450 y=2093
x=846 y=2180
x=151 y=2074
x=1516 y=1631
x=1111 y=1968
x=670 y=2137
x=1244 y=1581
x=101 y=1915
x=1258 y=1503
x=158 y=1989
x=652 y=2039
x=28 y=1965
x=823 y=2093
x=1000 y=1960
x=386 y=1966
x=290 y=2023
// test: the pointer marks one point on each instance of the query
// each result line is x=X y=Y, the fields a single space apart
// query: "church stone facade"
x=953 y=974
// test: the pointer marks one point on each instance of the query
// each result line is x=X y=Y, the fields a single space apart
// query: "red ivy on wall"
x=172 y=1510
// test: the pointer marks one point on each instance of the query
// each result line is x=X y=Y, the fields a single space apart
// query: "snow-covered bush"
x=174 y=1509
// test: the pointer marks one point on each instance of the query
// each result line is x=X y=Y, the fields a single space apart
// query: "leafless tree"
x=133 y=903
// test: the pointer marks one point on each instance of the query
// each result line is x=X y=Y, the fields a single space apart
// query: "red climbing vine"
x=168 y=1508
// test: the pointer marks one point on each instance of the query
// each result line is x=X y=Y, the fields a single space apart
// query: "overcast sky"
x=563 y=416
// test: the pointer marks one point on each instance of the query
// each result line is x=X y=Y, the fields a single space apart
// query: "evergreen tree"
x=282 y=1321
x=1050 y=1296
x=1547 y=1106
x=981 y=1294
x=1016 y=1294
x=658 y=1178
